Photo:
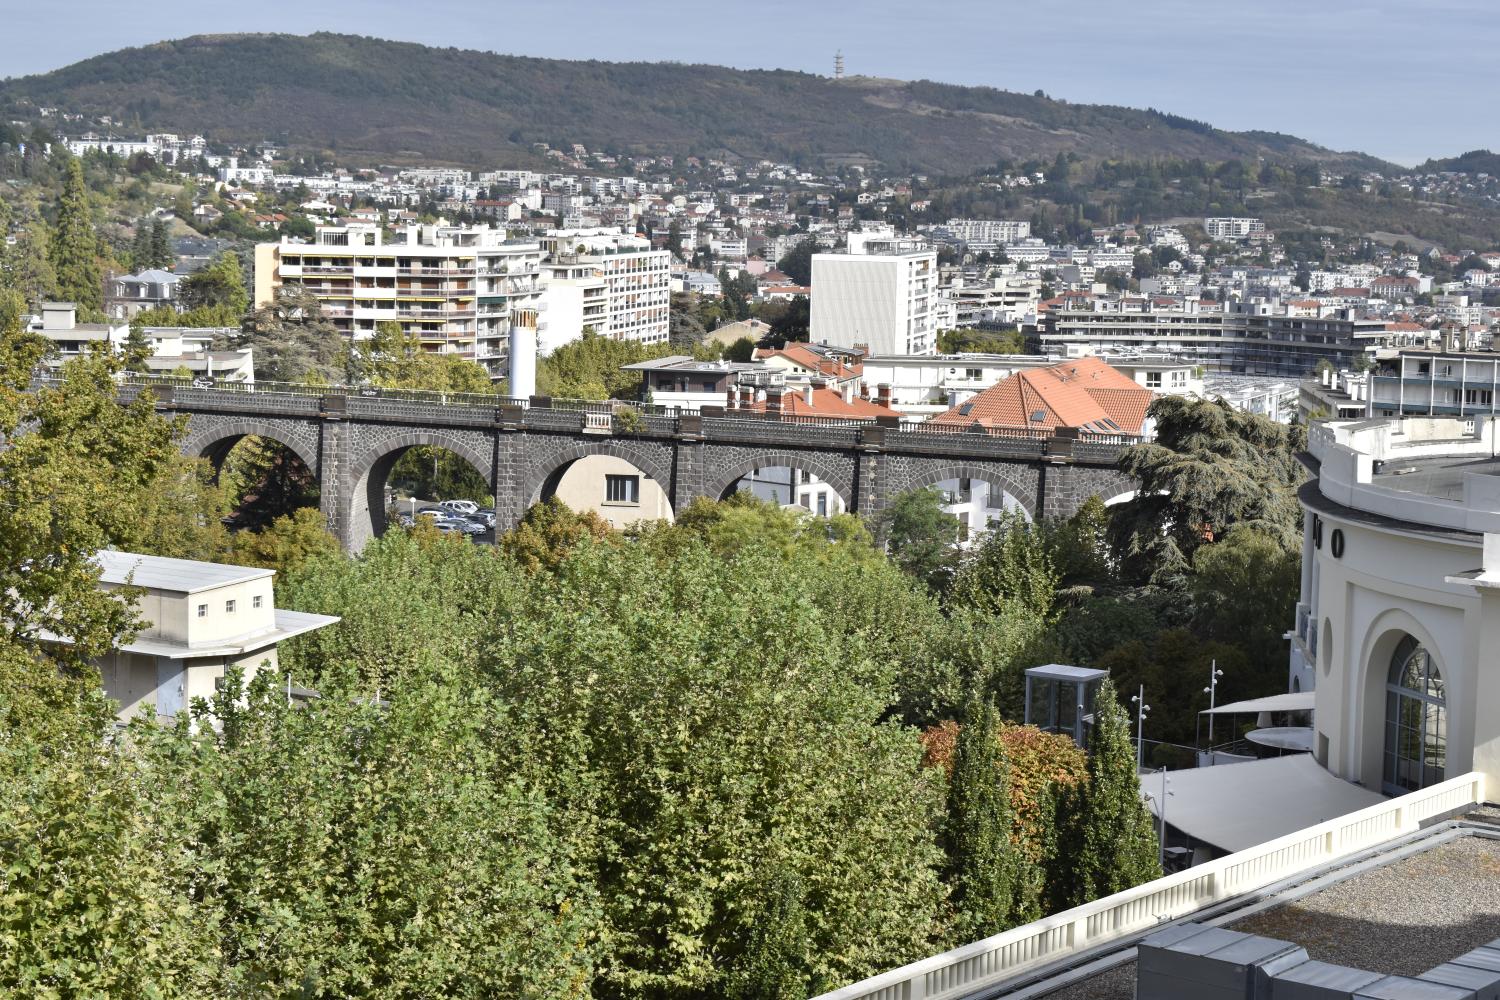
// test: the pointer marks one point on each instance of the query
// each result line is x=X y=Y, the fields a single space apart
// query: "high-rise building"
x=882 y=301
x=636 y=279
x=453 y=288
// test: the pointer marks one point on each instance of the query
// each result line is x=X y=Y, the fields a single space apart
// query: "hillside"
x=1476 y=161
x=366 y=97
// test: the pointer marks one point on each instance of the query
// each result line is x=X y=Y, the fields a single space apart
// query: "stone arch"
x=996 y=476
x=839 y=477
x=1368 y=691
x=213 y=439
x=545 y=467
x=376 y=457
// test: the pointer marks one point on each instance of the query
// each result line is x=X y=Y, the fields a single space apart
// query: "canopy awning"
x=1237 y=806
x=1302 y=701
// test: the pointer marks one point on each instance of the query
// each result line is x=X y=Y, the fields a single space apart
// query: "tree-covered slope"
x=360 y=95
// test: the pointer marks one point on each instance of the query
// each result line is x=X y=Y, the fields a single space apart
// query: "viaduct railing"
x=1054 y=939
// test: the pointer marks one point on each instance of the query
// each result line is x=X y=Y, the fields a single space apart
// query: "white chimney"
x=523 y=353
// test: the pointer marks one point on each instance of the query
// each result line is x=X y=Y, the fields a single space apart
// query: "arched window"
x=1416 y=723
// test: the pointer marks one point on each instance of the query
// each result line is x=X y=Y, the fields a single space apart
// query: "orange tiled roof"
x=826 y=403
x=799 y=354
x=1084 y=393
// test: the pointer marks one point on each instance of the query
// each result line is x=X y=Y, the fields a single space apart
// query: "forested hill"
x=1476 y=161
x=402 y=101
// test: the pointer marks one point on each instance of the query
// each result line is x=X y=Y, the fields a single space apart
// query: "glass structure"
x=1416 y=721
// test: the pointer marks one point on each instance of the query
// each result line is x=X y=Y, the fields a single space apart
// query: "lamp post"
x=1214 y=673
x=1141 y=708
x=1161 y=819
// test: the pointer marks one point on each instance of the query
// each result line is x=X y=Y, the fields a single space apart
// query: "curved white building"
x=1398 y=627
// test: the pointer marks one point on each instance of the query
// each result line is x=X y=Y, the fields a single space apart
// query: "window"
x=203 y=611
x=973 y=373
x=1153 y=380
x=1416 y=722
x=622 y=489
x=229 y=607
x=255 y=601
x=1480 y=396
x=822 y=504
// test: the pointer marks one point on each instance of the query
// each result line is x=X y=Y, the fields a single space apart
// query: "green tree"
x=287 y=543
x=161 y=245
x=1108 y=843
x=773 y=965
x=984 y=866
x=796 y=263
x=219 y=287
x=921 y=537
x=1209 y=468
x=1245 y=590
x=548 y=534
x=590 y=368
x=293 y=341
x=75 y=247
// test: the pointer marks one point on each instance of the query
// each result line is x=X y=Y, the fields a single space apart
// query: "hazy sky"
x=1402 y=80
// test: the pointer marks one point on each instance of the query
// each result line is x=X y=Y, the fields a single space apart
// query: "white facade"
x=1398 y=626
x=882 y=301
x=980 y=234
x=452 y=288
x=637 y=279
x=1232 y=228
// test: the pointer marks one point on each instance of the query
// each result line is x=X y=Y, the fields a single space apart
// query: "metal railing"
x=995 y=959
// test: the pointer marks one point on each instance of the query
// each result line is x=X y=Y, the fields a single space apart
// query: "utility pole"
x=1161 y=816
x=1141 y=708
x=1214 y=673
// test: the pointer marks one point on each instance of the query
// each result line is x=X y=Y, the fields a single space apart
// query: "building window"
x=974 y=374
x=255 y=601
x=622 y=489
x=203 y=611
x=1416 y=723
x=229 y=607
x=822 y=504
x=1153 y=380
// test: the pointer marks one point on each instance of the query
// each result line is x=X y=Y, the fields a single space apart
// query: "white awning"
x=1237 y=806
x=1302 y=701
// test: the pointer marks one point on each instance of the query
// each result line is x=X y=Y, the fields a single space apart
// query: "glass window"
x=622 y=489
x=203 y=611
x=229 y=607
x=255 y=601
x=1416 y=723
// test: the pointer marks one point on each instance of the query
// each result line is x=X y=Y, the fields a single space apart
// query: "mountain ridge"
x=366 y=97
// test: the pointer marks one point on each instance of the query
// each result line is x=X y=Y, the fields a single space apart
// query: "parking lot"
x=459 y=517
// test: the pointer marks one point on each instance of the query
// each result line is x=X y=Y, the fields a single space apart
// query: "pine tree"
x=984 y=863
x=773 y=965
x=1109 y=845
x=161 y=246
x=75 y=246
x=137 y=349
x=140 y=248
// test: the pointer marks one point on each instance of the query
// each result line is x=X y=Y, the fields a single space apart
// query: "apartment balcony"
x=346 y=270
x=436 y=272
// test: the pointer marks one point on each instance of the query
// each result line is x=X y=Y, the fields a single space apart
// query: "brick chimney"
x=773 y=400
x=883 y=394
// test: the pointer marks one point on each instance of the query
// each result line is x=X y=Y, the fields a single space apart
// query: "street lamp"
x=1161 y=818
x=1214 y=673
x=1141 y=708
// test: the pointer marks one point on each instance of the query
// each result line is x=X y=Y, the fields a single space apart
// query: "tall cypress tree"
x=985 y=867
x=773 y=965
x=140 y=247
x=75 y=246
x=1110 y=845
x=161 y=246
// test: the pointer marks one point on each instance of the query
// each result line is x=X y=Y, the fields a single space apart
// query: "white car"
x=464 y=507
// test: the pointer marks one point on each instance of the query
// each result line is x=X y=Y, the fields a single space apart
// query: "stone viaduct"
x=522 y=447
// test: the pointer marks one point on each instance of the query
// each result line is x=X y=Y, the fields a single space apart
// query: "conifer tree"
x=1109 y=844
x=161 y=246
x=984 y=864
x=140 y=247
x=75 y=246
x=773 y=965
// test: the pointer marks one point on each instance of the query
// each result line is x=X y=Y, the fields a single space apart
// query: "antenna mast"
x=838 y=65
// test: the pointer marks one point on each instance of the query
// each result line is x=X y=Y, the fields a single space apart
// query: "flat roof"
x=1063 y=672
x=1440 y=477
x=684 y=363
x=187 y=576
x=1397 y=918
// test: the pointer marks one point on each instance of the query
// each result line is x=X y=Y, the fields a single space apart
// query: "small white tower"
x=523 y=353
x=838 y=65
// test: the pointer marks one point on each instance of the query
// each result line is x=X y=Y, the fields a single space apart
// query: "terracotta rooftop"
x=1084 y=393
x=825 y=403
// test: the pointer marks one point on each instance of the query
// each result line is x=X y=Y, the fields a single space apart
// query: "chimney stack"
x=883 y=394
x=523 y=353
x=773 y=400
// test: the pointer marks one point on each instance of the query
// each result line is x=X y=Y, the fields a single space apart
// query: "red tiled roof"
x=799 y=354
x=1084 y=393
x=826 y=403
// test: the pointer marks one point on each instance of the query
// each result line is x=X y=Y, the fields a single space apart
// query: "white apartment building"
x=451 y=287
x=577 y=297
x=637 y=280
x=884 y=302
x=1003 y=299
x=1230 y=228
x=981 y=234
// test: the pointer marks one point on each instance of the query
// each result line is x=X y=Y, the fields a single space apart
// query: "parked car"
x=464 y=507
x=470 y=527
x=485 y=518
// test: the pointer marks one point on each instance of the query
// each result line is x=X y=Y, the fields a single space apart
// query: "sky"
x=1401 y=80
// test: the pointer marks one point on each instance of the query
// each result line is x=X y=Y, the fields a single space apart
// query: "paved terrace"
x=350 y=438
